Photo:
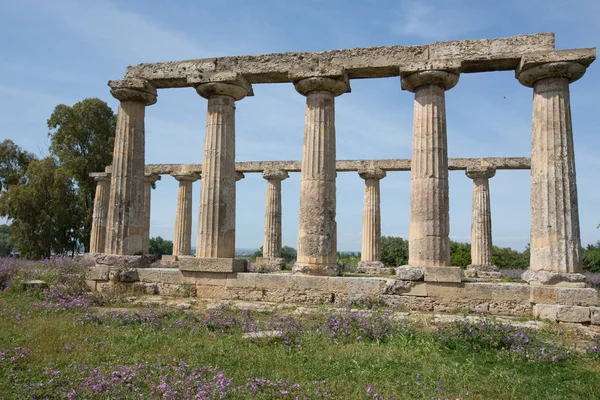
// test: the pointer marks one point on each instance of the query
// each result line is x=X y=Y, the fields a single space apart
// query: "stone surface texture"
x=429 y=244
x=371 y=224
x=100 y=212
x=272 y=234
x=125 y=219
x=481 y=217
x=182 y=236
x=408 y=273
x=216 y=230
x=317 y=236
x=149 y=180
x=555 y=238
x=375 y=62
x=370 y=267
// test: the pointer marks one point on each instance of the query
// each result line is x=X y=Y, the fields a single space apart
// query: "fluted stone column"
x=216 y=232
x=98 y=235
x=481 y=224
x=149 y=180
x=317 y=228
x=182 y=236
x=272 y=235
x=371 y=229
x=125 y=225
x=429 y=205
x=555 y=238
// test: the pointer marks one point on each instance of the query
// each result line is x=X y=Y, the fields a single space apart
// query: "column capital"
x=100 y=176
x=133 y=89
x=239 y=176
x=372 y=173
x=152 y=178
x=229 y=84
x=189 y=177
x=480 y=172
x=561 y=69
x=275 y=174
x=444 y=79
x=335 y=84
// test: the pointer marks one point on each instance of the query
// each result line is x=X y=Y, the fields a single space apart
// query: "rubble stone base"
x=370 y=267
x=496 y=298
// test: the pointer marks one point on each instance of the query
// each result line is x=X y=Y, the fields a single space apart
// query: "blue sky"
x=63 y=51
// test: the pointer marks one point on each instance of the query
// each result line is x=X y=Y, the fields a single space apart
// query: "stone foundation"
x=509 y=299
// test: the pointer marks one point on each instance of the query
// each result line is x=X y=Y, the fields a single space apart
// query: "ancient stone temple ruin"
x=553 y=287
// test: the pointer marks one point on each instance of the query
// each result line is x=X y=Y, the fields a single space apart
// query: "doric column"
x=316 y=233
x=98 y=235
x=481 y=219
x=371 y=228
x=216 y=231
x=272 y=239
x=429 y=207
x=555 y=241
x=149 y=180
x=125 y=221
x=182 y=237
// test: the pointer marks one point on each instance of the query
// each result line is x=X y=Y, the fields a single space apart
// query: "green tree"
x=394 y=251
x=13 y=164
x=505 y=257
x=160 y=246
x=460 y=254
x=82 y=139
x=591 y=258
x=6 y=246
x=43 y=210
x=289 y=254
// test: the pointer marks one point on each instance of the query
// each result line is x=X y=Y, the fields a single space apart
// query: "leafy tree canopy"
x=13 y=164
x=44 y=211
x=160 y=246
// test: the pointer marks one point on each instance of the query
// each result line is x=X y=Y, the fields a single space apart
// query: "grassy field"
x=66 y=343
x=54 y=354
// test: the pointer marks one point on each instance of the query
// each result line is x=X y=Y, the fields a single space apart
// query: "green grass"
x=349 y=368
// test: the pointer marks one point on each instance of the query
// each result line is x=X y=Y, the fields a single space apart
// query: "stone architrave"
x=481 y=223
x=371 y=228
x=216 y=231
x=182 y=236
x=125 y=225
x=317 y=228
x=429 y=243
x=555 y=238
x=272 y=236
x=149 y=180
x=98 y=234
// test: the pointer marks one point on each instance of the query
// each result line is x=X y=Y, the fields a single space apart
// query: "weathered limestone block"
x=212 y=264
x=408 y=273
x=317 y=236
x=317 y=283
x=123 y=275
x=125 y=219
x=97 y=273
x=555 y=237
x=406 y=288
x=273 y=281
x=171 y=276
x=544 y=295
x=358 y=286
x=370 y=267
x=429 y=244
x=446 y=292
x=595 y=315
x=238 y=280
x=577 y=296
x=149 y=275
x=551 y=278
x=573 y=314
x=442 y=274
x=546 y=311
x=121 y=260
x=514 y=292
